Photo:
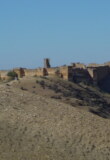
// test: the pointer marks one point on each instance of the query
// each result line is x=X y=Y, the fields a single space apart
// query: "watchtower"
x=47 y=63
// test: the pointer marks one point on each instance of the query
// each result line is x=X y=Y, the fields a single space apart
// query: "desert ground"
x=51 y=119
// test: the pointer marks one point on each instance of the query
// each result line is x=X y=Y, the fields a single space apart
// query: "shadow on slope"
x=80 y=95
x=90 y=96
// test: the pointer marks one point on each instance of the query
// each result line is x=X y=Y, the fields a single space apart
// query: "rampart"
x=76 y=72
x=78 y=65
x=81 y=75
x=52 y=71
x=19 y=71
x=99 y=73
x=30 y=72
x=41 y=72
x=95 y=65
x=107 y=64
x=66 y=72
x=3 y=75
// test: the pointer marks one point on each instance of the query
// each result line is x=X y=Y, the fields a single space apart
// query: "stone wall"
x=81 y=75
x=78 y=65
x=99 y=73
x=66 y=72
x=107 y=64
x=41 y=72
x=30 y=72
x=52 y=71
x=20 y=72
x=3 y=74
x=77 y=71
x=94 y=65
x=47 y=63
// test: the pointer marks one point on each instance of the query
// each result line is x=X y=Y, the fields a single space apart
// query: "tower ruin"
x=47 y=63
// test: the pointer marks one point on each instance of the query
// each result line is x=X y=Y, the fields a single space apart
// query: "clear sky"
x=64 y=30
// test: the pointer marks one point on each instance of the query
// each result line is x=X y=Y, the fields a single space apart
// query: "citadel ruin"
x=77 y=72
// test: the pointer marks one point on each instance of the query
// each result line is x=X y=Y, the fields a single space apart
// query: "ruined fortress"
x=77 y=72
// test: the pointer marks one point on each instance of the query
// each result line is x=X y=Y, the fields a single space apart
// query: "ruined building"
x=47 y=63
x=76 y=72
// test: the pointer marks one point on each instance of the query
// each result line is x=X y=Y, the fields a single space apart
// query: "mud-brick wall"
x=20 y=72
x=66 y=72
x=51 y=71
x=94 y=65
x=17 y=71
x=99 y=73
x=80 y=75
x=78 y=65
x=3 y=75
x=91 y=72
x=107 y=64
x=70 y=73
x=40 y=72
x=30 y=72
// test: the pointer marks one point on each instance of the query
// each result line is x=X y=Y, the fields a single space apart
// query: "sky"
x=65 y=31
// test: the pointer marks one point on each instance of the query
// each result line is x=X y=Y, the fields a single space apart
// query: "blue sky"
x=64 y=30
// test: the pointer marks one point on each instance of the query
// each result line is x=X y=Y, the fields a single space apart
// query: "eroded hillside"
x=87 y=97
x=34 y=126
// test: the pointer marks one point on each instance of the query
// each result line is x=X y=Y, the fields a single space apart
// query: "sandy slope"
x=36 y=128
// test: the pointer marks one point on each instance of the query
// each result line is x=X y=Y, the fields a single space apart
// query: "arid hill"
x=87 y=97
x=52 y=119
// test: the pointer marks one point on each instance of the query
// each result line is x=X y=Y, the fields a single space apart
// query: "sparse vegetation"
x=12 y=75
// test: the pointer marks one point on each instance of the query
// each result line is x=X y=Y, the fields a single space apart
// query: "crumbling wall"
x=81 y=75
x=41 y=72
x=47 y=63
x=94 y=65
x=77 y=71
x=99 y=73
x=78 y=65
x=30 y=72
x=66 y=72
x=91 y=72
x=107 y=64
x=20 y=72
x=52 y=71
x=3 y=74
